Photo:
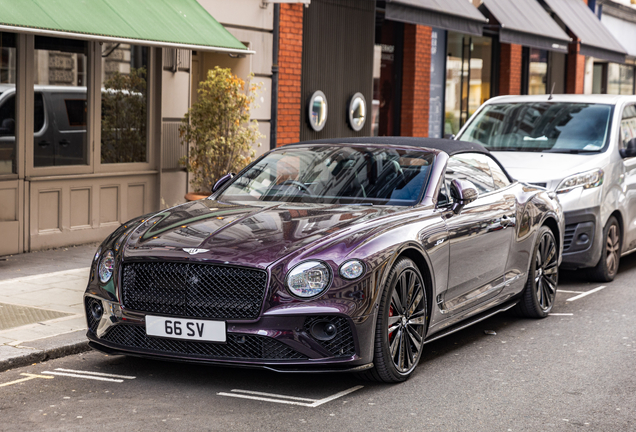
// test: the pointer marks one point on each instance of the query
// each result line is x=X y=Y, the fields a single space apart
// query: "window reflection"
x=620 y=79
x=468 y=78
x=538 y=74
x=7 y=103
x=59 y=135
x=124 y=103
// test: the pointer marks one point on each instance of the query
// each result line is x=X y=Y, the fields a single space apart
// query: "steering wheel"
x=299 y=185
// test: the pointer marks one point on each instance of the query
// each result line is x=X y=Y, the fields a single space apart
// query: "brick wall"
x=416 y=80
x=575 y=69
x=510 y=69
x=290 y=55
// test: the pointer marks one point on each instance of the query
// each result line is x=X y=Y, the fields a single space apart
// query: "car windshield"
x=335 y=174
x=556 y=127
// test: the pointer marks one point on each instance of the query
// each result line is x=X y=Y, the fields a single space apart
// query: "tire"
x=607 y=267
x=537 y=297
x=400 y=330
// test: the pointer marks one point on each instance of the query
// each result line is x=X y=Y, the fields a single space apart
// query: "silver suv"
x=583 y=147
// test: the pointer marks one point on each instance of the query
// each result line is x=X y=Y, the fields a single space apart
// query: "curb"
x=14 y=357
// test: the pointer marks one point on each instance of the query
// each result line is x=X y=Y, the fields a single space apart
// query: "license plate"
x=181 y=328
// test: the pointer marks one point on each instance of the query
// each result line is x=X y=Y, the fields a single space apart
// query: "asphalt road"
x=568 y=372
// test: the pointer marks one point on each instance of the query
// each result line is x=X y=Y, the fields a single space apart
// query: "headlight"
x=308 y=279
x=587 y=180
x=106 y=266
x=352 y=269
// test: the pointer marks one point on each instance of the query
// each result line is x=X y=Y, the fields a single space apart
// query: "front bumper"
x=282 y=343
x=583 y=238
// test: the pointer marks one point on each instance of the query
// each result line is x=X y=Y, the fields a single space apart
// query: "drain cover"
x=15 y=316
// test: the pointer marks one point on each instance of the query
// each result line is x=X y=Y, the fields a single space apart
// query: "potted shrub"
x=218 y=129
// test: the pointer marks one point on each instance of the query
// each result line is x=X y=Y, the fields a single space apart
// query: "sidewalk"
x=41 y=310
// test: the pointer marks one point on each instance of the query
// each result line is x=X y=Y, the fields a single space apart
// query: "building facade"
x=83 y=112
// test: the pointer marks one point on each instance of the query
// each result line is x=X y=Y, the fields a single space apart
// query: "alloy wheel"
x=546 y=272
x=406 y=321
x=612 y=247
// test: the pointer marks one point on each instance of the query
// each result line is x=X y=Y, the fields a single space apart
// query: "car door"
x=479 y=236
x=628 y=132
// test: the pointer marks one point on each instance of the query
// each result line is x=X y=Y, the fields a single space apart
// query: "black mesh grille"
x=237 y=346
x=92 y=322
x=568 y=236
x=342 y=344
x=194 y=290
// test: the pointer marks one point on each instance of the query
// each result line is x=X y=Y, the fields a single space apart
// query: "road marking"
x=96 y=373
x=586 y=293
x=253 y=395
x=274 y=395
x=28 y=378
x=560 y=314
x=96 y=378
x=569 y=292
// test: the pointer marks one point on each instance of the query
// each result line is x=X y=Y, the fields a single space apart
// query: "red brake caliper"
x=391 y=313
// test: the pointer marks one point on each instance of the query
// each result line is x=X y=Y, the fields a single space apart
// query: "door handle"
x=64 y=142
x=44 y=143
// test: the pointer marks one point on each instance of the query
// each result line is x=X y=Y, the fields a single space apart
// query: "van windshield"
x=555 y=127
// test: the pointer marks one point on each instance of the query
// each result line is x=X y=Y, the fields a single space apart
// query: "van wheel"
x=607 y=267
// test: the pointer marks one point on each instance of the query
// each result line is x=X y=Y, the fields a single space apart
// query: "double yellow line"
x=28 y=378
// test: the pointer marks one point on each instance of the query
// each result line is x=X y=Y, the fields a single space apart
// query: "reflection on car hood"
x=549 y=168
x=257 y=234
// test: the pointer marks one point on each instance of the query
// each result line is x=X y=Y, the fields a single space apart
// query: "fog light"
x=97 y=310
x=324 y=330
x=583 y=238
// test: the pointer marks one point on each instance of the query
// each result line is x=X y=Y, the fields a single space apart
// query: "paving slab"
x=41 y=305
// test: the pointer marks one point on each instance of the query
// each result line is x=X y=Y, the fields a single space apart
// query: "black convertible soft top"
x=449 y=146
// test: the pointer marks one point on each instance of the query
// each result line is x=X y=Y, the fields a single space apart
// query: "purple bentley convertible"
x=333 y=255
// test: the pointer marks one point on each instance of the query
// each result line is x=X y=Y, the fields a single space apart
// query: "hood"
x=548 y=168
x=254 y=235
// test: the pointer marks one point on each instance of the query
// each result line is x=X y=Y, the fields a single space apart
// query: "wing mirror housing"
x=629 y=150
x=222 y=181
x=463 y=192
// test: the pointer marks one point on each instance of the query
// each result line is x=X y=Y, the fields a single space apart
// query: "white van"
x=583 y=147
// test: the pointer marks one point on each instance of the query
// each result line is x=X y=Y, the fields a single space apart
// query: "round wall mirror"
x=317 y=110
x=357 y=112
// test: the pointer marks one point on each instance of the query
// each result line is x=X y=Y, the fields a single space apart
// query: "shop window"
x=620 y=79
x=387 y=78
x=124 y=103
x=7 y=104
x=468 y=78
x=599 y=77
x=60 y=74
x=538 y=72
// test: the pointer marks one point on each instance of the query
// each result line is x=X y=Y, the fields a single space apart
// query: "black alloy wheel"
x=607 y=267
x=543 y=276
x=401 y=324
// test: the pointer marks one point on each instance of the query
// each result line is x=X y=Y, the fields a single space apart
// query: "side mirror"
x=463 y=192
x=630 y=150
x=222 y=181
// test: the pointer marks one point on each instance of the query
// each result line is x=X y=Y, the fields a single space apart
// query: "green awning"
x=166 y=23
